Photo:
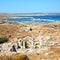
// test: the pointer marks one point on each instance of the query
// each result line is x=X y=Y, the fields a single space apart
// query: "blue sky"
x=29 y=6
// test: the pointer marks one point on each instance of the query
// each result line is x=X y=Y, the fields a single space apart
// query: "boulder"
x=13 y=49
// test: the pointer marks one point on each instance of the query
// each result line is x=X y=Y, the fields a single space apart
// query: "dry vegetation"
x=8 y=30
x=53 y=54
x=12 y=31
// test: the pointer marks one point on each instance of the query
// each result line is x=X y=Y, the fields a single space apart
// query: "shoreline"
x=27 y=14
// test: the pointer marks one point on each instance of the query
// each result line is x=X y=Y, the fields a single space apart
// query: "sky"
x=29 y=6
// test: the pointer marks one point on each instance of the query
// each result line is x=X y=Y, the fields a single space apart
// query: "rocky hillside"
x=8 y=29
x=21 y=30
x=43 y=35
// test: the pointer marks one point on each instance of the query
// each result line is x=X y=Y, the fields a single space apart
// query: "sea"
x=50 y=18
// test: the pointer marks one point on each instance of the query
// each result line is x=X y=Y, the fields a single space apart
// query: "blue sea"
x=34 y=18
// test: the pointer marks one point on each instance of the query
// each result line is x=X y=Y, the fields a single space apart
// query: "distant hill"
x=26 y=14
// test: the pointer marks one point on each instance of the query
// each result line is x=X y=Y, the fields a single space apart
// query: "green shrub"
x=3 y=39
x=25 y=44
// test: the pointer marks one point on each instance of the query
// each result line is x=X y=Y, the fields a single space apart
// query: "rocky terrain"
x=41 y=40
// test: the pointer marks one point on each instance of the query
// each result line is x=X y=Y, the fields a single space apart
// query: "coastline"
x=27 y=14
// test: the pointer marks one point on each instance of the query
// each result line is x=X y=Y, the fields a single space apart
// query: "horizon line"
x=29 y=13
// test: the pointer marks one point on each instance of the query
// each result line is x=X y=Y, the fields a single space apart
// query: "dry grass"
x=7 y=56
x=20 y=57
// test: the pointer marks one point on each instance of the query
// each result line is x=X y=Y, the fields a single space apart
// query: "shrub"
x=25 y=44
x=3 y=39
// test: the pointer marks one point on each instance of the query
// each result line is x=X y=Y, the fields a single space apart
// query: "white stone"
x=46 y=53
